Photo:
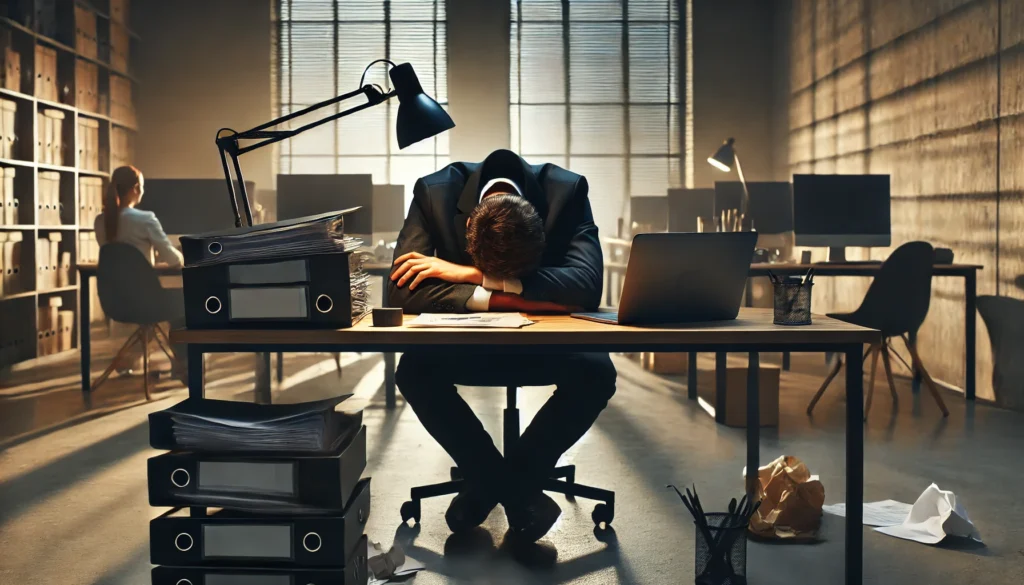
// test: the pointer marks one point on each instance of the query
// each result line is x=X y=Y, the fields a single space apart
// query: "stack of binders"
x=301 y=273
x=259 y=494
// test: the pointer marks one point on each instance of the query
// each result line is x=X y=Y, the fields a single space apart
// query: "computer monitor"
x=191 y=206
x=388 y=208
x=648 y=214
x=771 y=203
x=686 y=205
x=841 y=210
x=303 y=195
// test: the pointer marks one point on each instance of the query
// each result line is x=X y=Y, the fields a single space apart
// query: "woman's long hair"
x=122 y=181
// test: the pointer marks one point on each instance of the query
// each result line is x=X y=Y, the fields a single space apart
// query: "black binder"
x=315 y=234
x=234 y=539
x=278 y=484
x=224 y=426
x=354 y=573
x=317 y=291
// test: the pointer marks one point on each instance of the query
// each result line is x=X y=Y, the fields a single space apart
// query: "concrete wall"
x=928 y=91
x=203 y=65
x=733 y=87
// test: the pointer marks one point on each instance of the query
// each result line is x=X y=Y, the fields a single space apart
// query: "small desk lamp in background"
x=723 y=160
x=419 y=117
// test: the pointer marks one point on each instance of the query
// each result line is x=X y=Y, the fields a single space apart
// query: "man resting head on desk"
x=501 y=235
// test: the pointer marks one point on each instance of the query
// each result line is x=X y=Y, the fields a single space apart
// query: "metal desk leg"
x=785 y=361
x=84 y=339
x=970 y=330
x=280 y=367
x=720 y=363
x=753 y=421
x=915 y=384
x=262 y=389
x=691 y=377
x=195 y=371
x=854 y=465
x=389 y=380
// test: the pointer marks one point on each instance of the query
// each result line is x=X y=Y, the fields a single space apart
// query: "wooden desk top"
x=91 y=267
x=754 y=326
x=825 y=268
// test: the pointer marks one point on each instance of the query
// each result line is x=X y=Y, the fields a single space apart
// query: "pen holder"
x=724 y=560
x=793 y=303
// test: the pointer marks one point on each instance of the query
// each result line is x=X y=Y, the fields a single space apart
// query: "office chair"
x=603 y=512
x=1004 y=320
x=129 y=291
x=896 y=304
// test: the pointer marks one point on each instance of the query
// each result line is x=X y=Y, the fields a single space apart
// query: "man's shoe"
x=532 y=518
x=469 y=509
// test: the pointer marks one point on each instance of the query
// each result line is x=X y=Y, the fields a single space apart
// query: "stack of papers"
x=197 y=424
x=482 y=320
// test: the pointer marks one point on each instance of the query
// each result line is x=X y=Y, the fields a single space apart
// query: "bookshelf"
x=67 y=119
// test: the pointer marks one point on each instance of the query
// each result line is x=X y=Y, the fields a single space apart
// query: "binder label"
x=269 y=272
x=269 y=303
x=233 y=476
x=236 y=541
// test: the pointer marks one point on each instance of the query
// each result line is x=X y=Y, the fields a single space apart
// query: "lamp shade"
x=419 y=116
x=724 y=157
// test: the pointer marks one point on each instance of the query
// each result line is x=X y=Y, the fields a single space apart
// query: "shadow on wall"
x=1004 y=319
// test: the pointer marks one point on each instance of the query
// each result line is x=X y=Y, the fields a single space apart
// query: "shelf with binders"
x=17 y=196
x=55 y=260
x=56 y=330
x=56 y=202
x=18 y=342
x=17 y=263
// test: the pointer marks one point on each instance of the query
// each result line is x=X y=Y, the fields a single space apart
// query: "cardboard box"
x=8 y=127
x=86 y=38
x=666 y=363
x=736 y=394
x=12 y=70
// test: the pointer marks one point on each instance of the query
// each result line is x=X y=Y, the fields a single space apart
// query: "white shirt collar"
x=493 y=182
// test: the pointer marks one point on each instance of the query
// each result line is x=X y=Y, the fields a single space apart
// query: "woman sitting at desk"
x=121 y=222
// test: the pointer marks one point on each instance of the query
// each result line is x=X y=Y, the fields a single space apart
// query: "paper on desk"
x=393 y=564
x=936 y=514
x=480 y=320
x=884 y=513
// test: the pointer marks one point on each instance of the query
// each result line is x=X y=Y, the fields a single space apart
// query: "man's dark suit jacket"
x=571 y=269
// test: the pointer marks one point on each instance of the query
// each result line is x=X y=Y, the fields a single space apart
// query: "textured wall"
x=928 y=91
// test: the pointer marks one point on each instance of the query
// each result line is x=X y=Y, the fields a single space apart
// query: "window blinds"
x=595 y=88
x=323 y=46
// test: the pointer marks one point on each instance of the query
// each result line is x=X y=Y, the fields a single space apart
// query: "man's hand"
x=504 y=302
x=417 y=267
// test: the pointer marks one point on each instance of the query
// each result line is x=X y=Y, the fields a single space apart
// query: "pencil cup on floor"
x=723 y=559
x=793 y=303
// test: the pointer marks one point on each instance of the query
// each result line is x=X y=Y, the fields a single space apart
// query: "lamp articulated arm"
x=228 y=143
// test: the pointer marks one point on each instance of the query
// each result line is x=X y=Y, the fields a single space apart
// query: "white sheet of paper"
x=884 y=513
x=936 y=514
x=478 y=320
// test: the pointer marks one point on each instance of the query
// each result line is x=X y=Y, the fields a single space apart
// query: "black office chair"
x=896 y=304
x=129 y=291
x=1004 y=319
x=603 y=512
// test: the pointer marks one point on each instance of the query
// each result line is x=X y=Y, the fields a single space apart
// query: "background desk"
x=86 y=272
x=615 y=275
x=752 y=332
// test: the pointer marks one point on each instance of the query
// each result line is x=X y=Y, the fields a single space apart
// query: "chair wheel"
x=411 y=509
x=455 y=473
x=603 y=513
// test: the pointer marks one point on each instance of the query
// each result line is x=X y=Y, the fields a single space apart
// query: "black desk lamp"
x=419 y=117
x=723 y=159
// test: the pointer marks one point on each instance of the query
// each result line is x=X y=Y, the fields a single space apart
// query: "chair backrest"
x=127 y=284
x=1004 y=319
x=897 y=300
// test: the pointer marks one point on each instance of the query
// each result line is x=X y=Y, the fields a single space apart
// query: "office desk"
x=968 y=272
x=752 y=332
x=86 y=272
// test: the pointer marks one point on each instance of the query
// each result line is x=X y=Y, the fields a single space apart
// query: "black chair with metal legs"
x=562 y=480
x=896 y=304
x=130 y=292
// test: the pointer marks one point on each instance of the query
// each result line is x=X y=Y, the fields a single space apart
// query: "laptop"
x=682 y=278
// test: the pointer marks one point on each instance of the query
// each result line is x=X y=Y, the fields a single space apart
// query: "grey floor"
x=73 y=506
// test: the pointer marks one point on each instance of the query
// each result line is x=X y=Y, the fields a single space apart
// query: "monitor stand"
x=837 y=254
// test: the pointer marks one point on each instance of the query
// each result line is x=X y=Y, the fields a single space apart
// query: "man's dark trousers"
x=585 y=383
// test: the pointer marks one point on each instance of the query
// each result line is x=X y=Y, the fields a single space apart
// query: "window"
x=323 y=47
x=595 y=89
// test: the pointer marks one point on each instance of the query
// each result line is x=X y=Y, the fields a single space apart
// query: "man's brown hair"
x=505 y=236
